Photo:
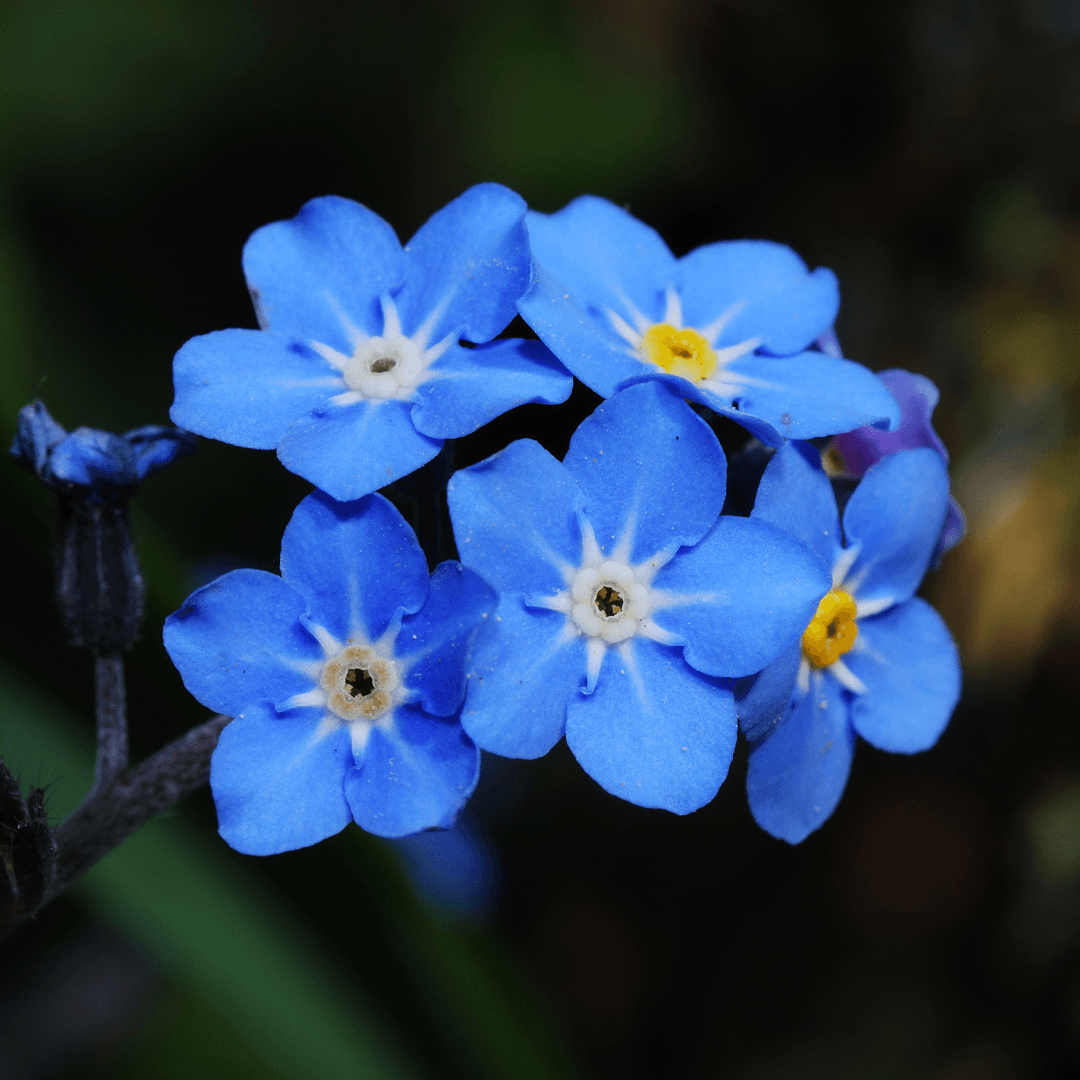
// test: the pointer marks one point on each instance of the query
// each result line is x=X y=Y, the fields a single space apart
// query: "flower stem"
x=109 y=815
x=112 y=730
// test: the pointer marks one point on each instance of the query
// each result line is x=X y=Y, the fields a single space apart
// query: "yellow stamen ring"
x=678 y=352
x=832 y=631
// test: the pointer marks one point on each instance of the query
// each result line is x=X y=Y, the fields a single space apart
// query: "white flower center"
x=360 y=684
x=384 y=367
x=609 y=602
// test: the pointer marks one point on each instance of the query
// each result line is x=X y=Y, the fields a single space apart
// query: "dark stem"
x=112 y=731
x=108 y=817
x=421 y=498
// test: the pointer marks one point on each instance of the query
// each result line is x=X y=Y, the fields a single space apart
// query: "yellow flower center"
x=832 y=631
x=679 y=352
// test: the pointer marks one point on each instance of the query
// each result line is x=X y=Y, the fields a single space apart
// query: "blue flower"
x=90 y=464
x=345 y=676
x=730 y=325
x=626 y=602
x=359 y=372
x=875 y=660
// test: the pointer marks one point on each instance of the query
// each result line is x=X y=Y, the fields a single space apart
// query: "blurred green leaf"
x=488 y=1012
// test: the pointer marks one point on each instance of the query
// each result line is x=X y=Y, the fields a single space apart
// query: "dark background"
x=928 y=153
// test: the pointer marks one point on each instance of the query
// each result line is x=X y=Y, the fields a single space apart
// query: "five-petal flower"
x=345 y=676
x=359 y=372
x=731 y=325
x=876 y=660
x=626 y=602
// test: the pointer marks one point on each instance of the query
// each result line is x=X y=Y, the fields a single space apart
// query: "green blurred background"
x=927 y=152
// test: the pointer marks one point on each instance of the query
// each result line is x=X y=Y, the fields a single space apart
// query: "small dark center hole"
x=384 y=363
x=832 y=628
x=359 y=682
x=608 y=602
x=682 y=351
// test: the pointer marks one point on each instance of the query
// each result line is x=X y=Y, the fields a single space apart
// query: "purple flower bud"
x=916 y=395
x=855 y=451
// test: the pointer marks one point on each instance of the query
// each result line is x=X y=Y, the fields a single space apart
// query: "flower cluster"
x=606 y=597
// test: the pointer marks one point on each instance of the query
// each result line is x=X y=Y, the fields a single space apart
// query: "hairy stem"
x=108 y=816
x=112 y=729
x=161 y=781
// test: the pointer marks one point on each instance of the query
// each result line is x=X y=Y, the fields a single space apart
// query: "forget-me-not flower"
x=626 y=602
x=875 y=660
x=345 y=676
x=851 y=454
x=731 y=325
x=359 y=371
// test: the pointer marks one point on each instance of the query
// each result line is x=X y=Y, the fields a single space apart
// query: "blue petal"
x=415 y=773
x=454 y=870
x=777 y=299
x=89 y=457
x=277 y=783
x=654 y=732
x=908 y=661
x=36 y=435
x=470 y=262
x=466 y=388
x=156 y=446
x=357 y=564
x=352 y=450
x=797 y=774
x=896 y=515
x=583 y=340
x=952 y=532
x=526 y=664
x=741 y=596
x=795 y=494
x=240 y=639
x=646 y=462
x=328 y=264
x=805 y=396
x=763 y=703
x=603 y=256
x=246 y=387
x=435 y=640
x=692 y=391
x=515 y=519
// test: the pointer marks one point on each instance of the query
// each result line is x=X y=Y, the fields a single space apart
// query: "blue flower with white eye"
x=626 y=603
x=875 y=660
x=731 y=325
x=370 y=354
x=345 y=676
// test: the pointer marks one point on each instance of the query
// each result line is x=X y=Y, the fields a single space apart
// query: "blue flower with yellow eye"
x=370 y=354
x=875 y=660
x=344 y=675
x=731 y=325
x=626 y=603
